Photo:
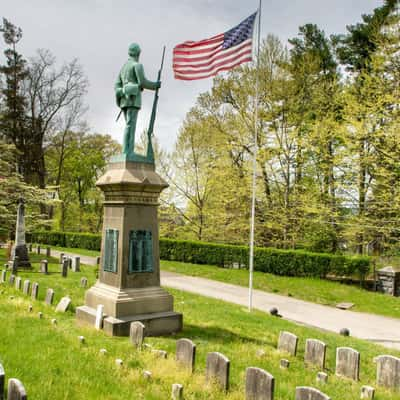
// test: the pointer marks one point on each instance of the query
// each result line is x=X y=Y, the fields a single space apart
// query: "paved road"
x=378 y=329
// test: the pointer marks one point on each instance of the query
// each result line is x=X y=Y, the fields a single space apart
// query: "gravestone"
x=18 y=283
x=49 y=297
x=186 y=353
x=315 y=353
x=217 y=370
x=137 y=333
x=260 y=384
x=99 y=317
x=2 y=382
x=84 y=282
x=284 y=364
x=35 y=290
x=48 y=251
x=27 y=286
x=3 y=276
x=64 y=267
x=61 y=257
x=69 y=260
x=16 y=390
x=388 y=371
x=309 y=393
x=348 y=363
x=177 y=391
x=38 y=249
x=288 y=342
x=19 y=249
x=76 y=264
x=44 y=267
x=322 y=377
x=11 y=281
x=367 y=392
x=63 y=305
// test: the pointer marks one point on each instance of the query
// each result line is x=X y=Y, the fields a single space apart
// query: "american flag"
x=199 y=60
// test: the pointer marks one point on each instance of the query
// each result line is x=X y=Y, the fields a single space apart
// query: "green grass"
x=310 y=289
x=52 y=364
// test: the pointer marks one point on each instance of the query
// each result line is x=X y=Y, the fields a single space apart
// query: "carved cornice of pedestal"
x=125 y=197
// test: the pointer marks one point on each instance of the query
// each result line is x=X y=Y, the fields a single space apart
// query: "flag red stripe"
x=184 y=77
x=192 y=62
x=226 y=60
x=191 y=44
x=200 y=51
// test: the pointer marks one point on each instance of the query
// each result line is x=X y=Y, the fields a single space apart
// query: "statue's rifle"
x=150 y=152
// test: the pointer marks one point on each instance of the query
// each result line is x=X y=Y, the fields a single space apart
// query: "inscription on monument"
x=140 y=251
x=110 y=258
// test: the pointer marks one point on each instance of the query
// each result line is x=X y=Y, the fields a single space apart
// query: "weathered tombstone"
x=348 y=363
x=27 y=286
x=69 y=260
x=63 y=305
x=76 y=264
x=388 y=371
x=137 y=333
x=11 y=281
x=2 y=382
x=48 y=251
x=322 y=377
x=315 y=353
x=84 y=282
x=49 y=297
x=64 y=268
x=35 y=290
x=367 y=392
x=186 y=353
x=18 y=283
x=309 y=393
x=16 y=390
x=217 y=370
x=177 y=391
x=260 y=384
x=284 y=364
x=288 y=342
x=99 y=317
x=38 y=249
x=19 y=249
x=3 y=276
x=44 y=267
x=61 y=257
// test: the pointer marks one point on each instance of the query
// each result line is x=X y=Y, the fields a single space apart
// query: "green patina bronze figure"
x=130 y=83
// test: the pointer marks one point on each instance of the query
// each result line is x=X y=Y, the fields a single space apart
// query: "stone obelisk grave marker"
x=129 y=278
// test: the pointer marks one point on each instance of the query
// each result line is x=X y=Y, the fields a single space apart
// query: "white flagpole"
x=253 y=197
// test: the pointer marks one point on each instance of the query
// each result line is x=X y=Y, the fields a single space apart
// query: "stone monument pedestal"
x=19 y=249
x=129 y=276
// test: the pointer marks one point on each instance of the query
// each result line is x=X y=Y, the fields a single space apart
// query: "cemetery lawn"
x=315 y=290
x=52 y=364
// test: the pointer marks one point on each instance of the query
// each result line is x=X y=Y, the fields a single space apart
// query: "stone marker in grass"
x=2 y=382
x=322 y=377
x=137 y=333
x=367 y=392
x=18 y=283
x=309 y=393
x=64 y=267
x=3 y=276
x=186 y=353
x=16 y=390
x=99 y=317
x=284 y=364
x=35 y=290
x=177 y=391
x=84 y=282
x=44 y=267
x=48 y=251
x=315 y=353
x=63 y=305
x=49 y=297
x=260 y=384
x=217 y=370
x=76 y=264
x=388 y=371
x=348 y=363
x=61 y=257
x=11 y=280
x=288 y=342
x=27 y=286
x=38 y=249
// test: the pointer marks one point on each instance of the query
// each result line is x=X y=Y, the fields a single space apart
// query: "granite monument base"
x=21 y=251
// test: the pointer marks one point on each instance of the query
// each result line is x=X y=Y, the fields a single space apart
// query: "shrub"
x=275 y=261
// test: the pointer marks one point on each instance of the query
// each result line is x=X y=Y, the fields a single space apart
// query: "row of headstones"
x=16 y=390
x=34 y=290
x=260 y=384
x=347 y=362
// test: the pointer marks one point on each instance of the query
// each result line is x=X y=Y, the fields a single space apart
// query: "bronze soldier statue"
x=128 y=90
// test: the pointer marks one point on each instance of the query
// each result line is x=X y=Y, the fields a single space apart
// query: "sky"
x=98 y=33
